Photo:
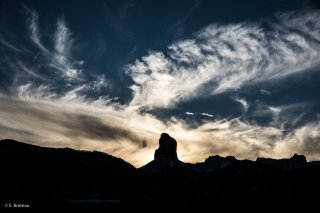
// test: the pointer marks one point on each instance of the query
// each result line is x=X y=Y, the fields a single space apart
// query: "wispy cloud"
x=265 y=92
x=118 y=20
x=189 y=113
x=243 y=103
x=177 y=27
x=206 y=114
x=62 y=54
x=60 y=59
x=63 y=40
x=7 y=44
x=224 y=57
x=31 y=71
x=100 y=82
x=32 y=22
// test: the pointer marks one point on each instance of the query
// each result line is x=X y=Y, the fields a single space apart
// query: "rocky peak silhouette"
x=167 y=148
x=166 y=162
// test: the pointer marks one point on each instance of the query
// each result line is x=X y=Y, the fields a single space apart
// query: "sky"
x=231 y=77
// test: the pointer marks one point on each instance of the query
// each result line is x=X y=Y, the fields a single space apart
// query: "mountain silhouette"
x=65 y=178
x=46 y=176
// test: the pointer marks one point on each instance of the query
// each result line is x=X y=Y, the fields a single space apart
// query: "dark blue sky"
x=191 y=62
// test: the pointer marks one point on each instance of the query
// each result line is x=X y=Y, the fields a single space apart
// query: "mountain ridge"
x=16 y=144
x=42 y=176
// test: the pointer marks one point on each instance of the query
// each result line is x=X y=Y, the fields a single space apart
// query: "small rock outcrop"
x=217 y=162
x=167 y=148
x=295 y=162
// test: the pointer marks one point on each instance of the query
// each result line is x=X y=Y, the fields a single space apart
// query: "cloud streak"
x=35 y=35
x=7 y=44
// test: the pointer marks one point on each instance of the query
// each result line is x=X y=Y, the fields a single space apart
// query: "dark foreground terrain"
x=64 y=178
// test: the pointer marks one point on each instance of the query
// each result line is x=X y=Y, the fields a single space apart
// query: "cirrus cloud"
x=225 y=57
